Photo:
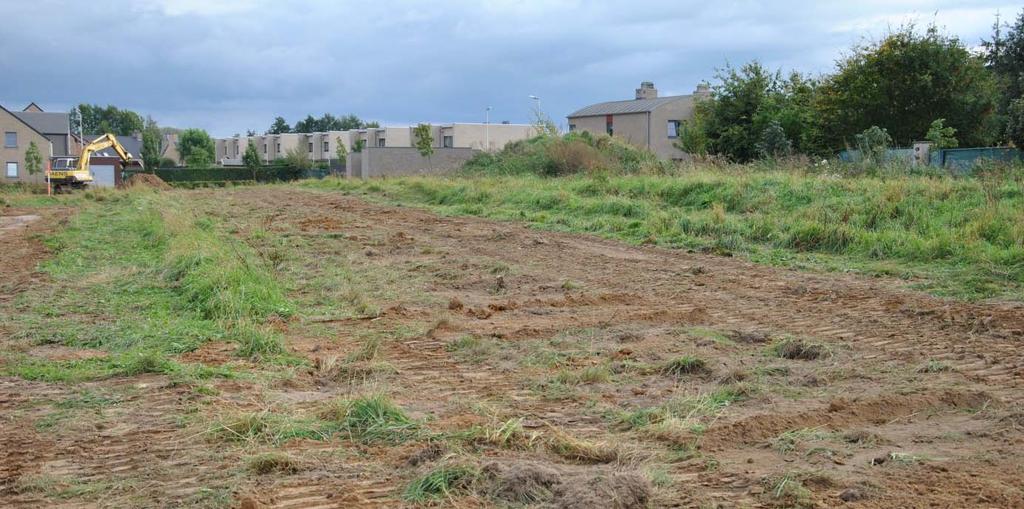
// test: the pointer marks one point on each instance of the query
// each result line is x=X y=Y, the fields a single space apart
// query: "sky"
x=232 y=65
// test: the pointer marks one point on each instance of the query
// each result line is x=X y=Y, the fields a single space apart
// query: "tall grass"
x=958 y=237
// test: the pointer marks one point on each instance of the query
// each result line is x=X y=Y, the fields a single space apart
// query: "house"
x=17 y=135
x=169 y=148
x=647 y=121
x=322 y=146
x=55 y=126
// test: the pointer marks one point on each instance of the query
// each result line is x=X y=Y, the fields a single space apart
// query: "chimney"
x=703 y=90
x=646 y=91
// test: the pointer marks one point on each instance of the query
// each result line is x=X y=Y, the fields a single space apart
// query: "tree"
x=350 y=122
x=340 y=150
x=774 y=143
x=280 y=126
x=358 y=146
x=96 y=119
x=196 y=148
x=251 y=159
x=1015 y=123
x=371 y=125
x=744 y=103
x=297 y=158
x=250 y=132
x=424 y=141
x=904 y=82
x=33 y=160
x=151 y=144
x=941 y=136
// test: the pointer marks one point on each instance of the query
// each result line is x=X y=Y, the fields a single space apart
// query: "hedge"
x=229 y=174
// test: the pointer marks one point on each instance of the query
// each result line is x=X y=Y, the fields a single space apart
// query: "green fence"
x=220 y=175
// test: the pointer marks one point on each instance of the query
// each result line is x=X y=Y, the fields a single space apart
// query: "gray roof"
x=130 y=143
x=629 y=106
x=44 y=121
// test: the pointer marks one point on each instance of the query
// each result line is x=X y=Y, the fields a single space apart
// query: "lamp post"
x=536 y=103
x=487 y=129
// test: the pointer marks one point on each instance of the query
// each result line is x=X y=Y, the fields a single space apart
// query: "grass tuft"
x=442 y=482
x=373 y=419
x=685 y=365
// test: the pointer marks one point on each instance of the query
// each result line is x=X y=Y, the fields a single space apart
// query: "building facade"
x=17 y=135
x=647 y=121
x=323 y=146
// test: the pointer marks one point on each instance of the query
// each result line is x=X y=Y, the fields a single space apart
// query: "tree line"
x=311 y=124
x=911 y=85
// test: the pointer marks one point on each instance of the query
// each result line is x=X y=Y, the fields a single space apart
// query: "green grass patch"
x=373 y=419
x=685 y=365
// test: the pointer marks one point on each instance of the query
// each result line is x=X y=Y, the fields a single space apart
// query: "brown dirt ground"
x=873 y=430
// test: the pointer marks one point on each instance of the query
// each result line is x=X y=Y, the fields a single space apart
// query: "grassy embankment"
x=137 y=278
x=959 y=237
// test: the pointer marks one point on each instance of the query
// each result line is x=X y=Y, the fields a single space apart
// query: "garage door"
x=103 y=175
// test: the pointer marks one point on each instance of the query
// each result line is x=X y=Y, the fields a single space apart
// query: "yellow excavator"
x=74 y=172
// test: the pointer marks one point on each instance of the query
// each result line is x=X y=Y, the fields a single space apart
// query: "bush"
x=573 y=153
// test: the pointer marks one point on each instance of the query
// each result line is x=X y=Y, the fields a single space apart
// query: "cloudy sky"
x=232 y=65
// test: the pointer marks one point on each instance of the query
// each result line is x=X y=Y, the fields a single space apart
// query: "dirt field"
x=799 y=390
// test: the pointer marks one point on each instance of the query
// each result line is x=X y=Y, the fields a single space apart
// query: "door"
x=103 y=175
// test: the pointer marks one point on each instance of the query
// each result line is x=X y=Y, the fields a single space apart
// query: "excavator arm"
x=103 y=142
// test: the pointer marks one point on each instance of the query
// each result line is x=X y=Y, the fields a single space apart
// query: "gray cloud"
x=231 y=65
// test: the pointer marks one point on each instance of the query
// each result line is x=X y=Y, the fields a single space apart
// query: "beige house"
x=17 y=135
x=648 y=121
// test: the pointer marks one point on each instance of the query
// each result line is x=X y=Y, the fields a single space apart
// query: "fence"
x=958 y=161
x=219 y=175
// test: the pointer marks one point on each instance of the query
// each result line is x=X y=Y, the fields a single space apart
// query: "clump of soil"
x=426 y=454
x=543 y=485
x=614 y=491
x=145 y=180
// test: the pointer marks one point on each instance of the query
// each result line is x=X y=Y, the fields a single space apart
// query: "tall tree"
x=33 y=160
x=1004 y=54
x=96 y=119
x=151 y=144
x=903 y=83
x=196 y=148
x=251 y=159
x=280 y=126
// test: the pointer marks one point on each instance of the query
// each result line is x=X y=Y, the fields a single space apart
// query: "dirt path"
x=915 y=403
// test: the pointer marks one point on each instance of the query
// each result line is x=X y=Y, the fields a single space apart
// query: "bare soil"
x=908 y=401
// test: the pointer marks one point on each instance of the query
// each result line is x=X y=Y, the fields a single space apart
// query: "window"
x=572 y=127
x=311 y=147
x=11 y=140
x=380 y=142
x=326 y=145
x=12 y=170
x=277 y=148
x=673 y=128
x=609 y=125
x=264 y=148
x=448 y=142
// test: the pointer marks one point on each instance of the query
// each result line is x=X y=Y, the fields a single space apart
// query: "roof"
x=628 y=106
x=30 y=126
x=32 y=106
x=130 y=143
x=44 y=122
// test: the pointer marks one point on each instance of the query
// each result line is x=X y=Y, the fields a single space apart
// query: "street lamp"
x=536 y=103
x=487 y=129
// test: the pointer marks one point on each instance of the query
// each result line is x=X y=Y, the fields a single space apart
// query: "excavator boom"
x=77 y=174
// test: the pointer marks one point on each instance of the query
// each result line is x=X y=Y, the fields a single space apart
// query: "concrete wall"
x=395 y=161
x=10 y=123
x=661 y=144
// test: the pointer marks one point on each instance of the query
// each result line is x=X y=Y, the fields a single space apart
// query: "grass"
x=787 y=442
x=681 y=418
x=272 y=463
x=442 y=482
x=960 y=237
x=373 y=419
x=685 y=365
x=140 y=277
x=798 y=349
x=578 y=449
x=266 y=427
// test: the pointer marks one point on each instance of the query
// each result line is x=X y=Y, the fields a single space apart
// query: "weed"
x=268 y=427
x=788 y=490
x=442 y=482
x=578 y=449
x=685 y=365
x=509 y=434
x=373 y=419
x=934 y=366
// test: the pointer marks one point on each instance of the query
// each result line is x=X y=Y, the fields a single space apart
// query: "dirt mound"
x=521 y=483
x=145 y=180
